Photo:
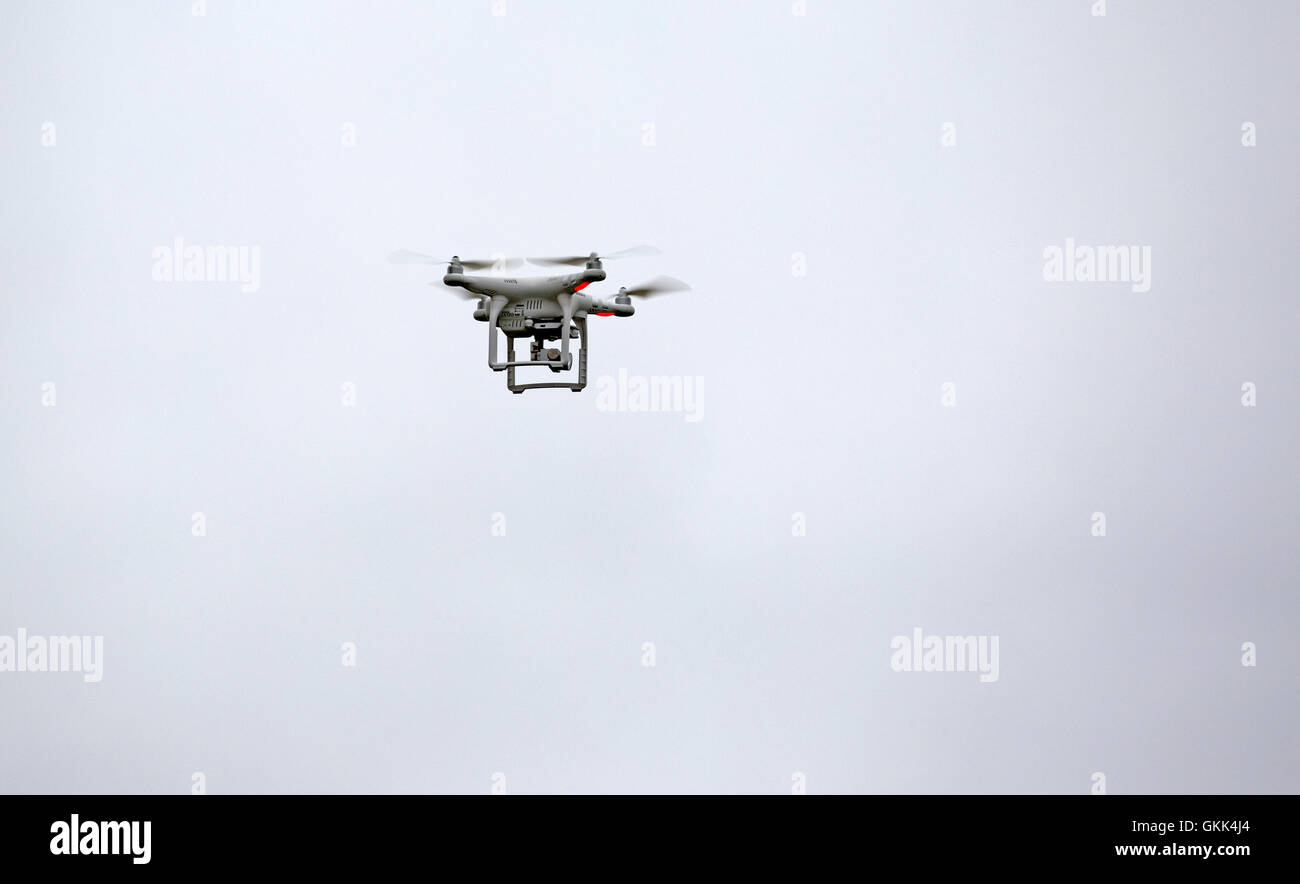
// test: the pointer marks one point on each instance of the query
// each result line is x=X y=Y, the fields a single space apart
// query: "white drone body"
x=542 y=308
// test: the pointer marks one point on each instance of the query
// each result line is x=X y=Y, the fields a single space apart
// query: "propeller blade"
x=660 y=285
x=406 y=256
x=634 y=252
x=567 y=261
x=581 y=260
x=459 y=292
x=489 y=264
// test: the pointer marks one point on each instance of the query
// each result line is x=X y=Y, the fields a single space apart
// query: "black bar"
x=240 y=833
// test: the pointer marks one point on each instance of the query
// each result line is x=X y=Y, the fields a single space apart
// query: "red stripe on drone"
x=580 y=286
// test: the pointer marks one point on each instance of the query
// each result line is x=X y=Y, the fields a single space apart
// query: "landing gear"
x=556 y=360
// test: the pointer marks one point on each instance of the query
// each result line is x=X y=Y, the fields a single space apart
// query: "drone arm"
x=611 y=308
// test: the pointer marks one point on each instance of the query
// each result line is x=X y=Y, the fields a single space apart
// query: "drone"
x=543 y=308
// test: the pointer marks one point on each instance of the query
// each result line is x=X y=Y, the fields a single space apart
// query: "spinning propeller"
x=404 y=256
x=463 y=294
x=582 y=260
x=660 y=285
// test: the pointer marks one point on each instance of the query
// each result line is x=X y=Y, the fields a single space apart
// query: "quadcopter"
x=543 y=308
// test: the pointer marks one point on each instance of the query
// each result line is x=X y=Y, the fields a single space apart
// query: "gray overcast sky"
x=522 y=654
